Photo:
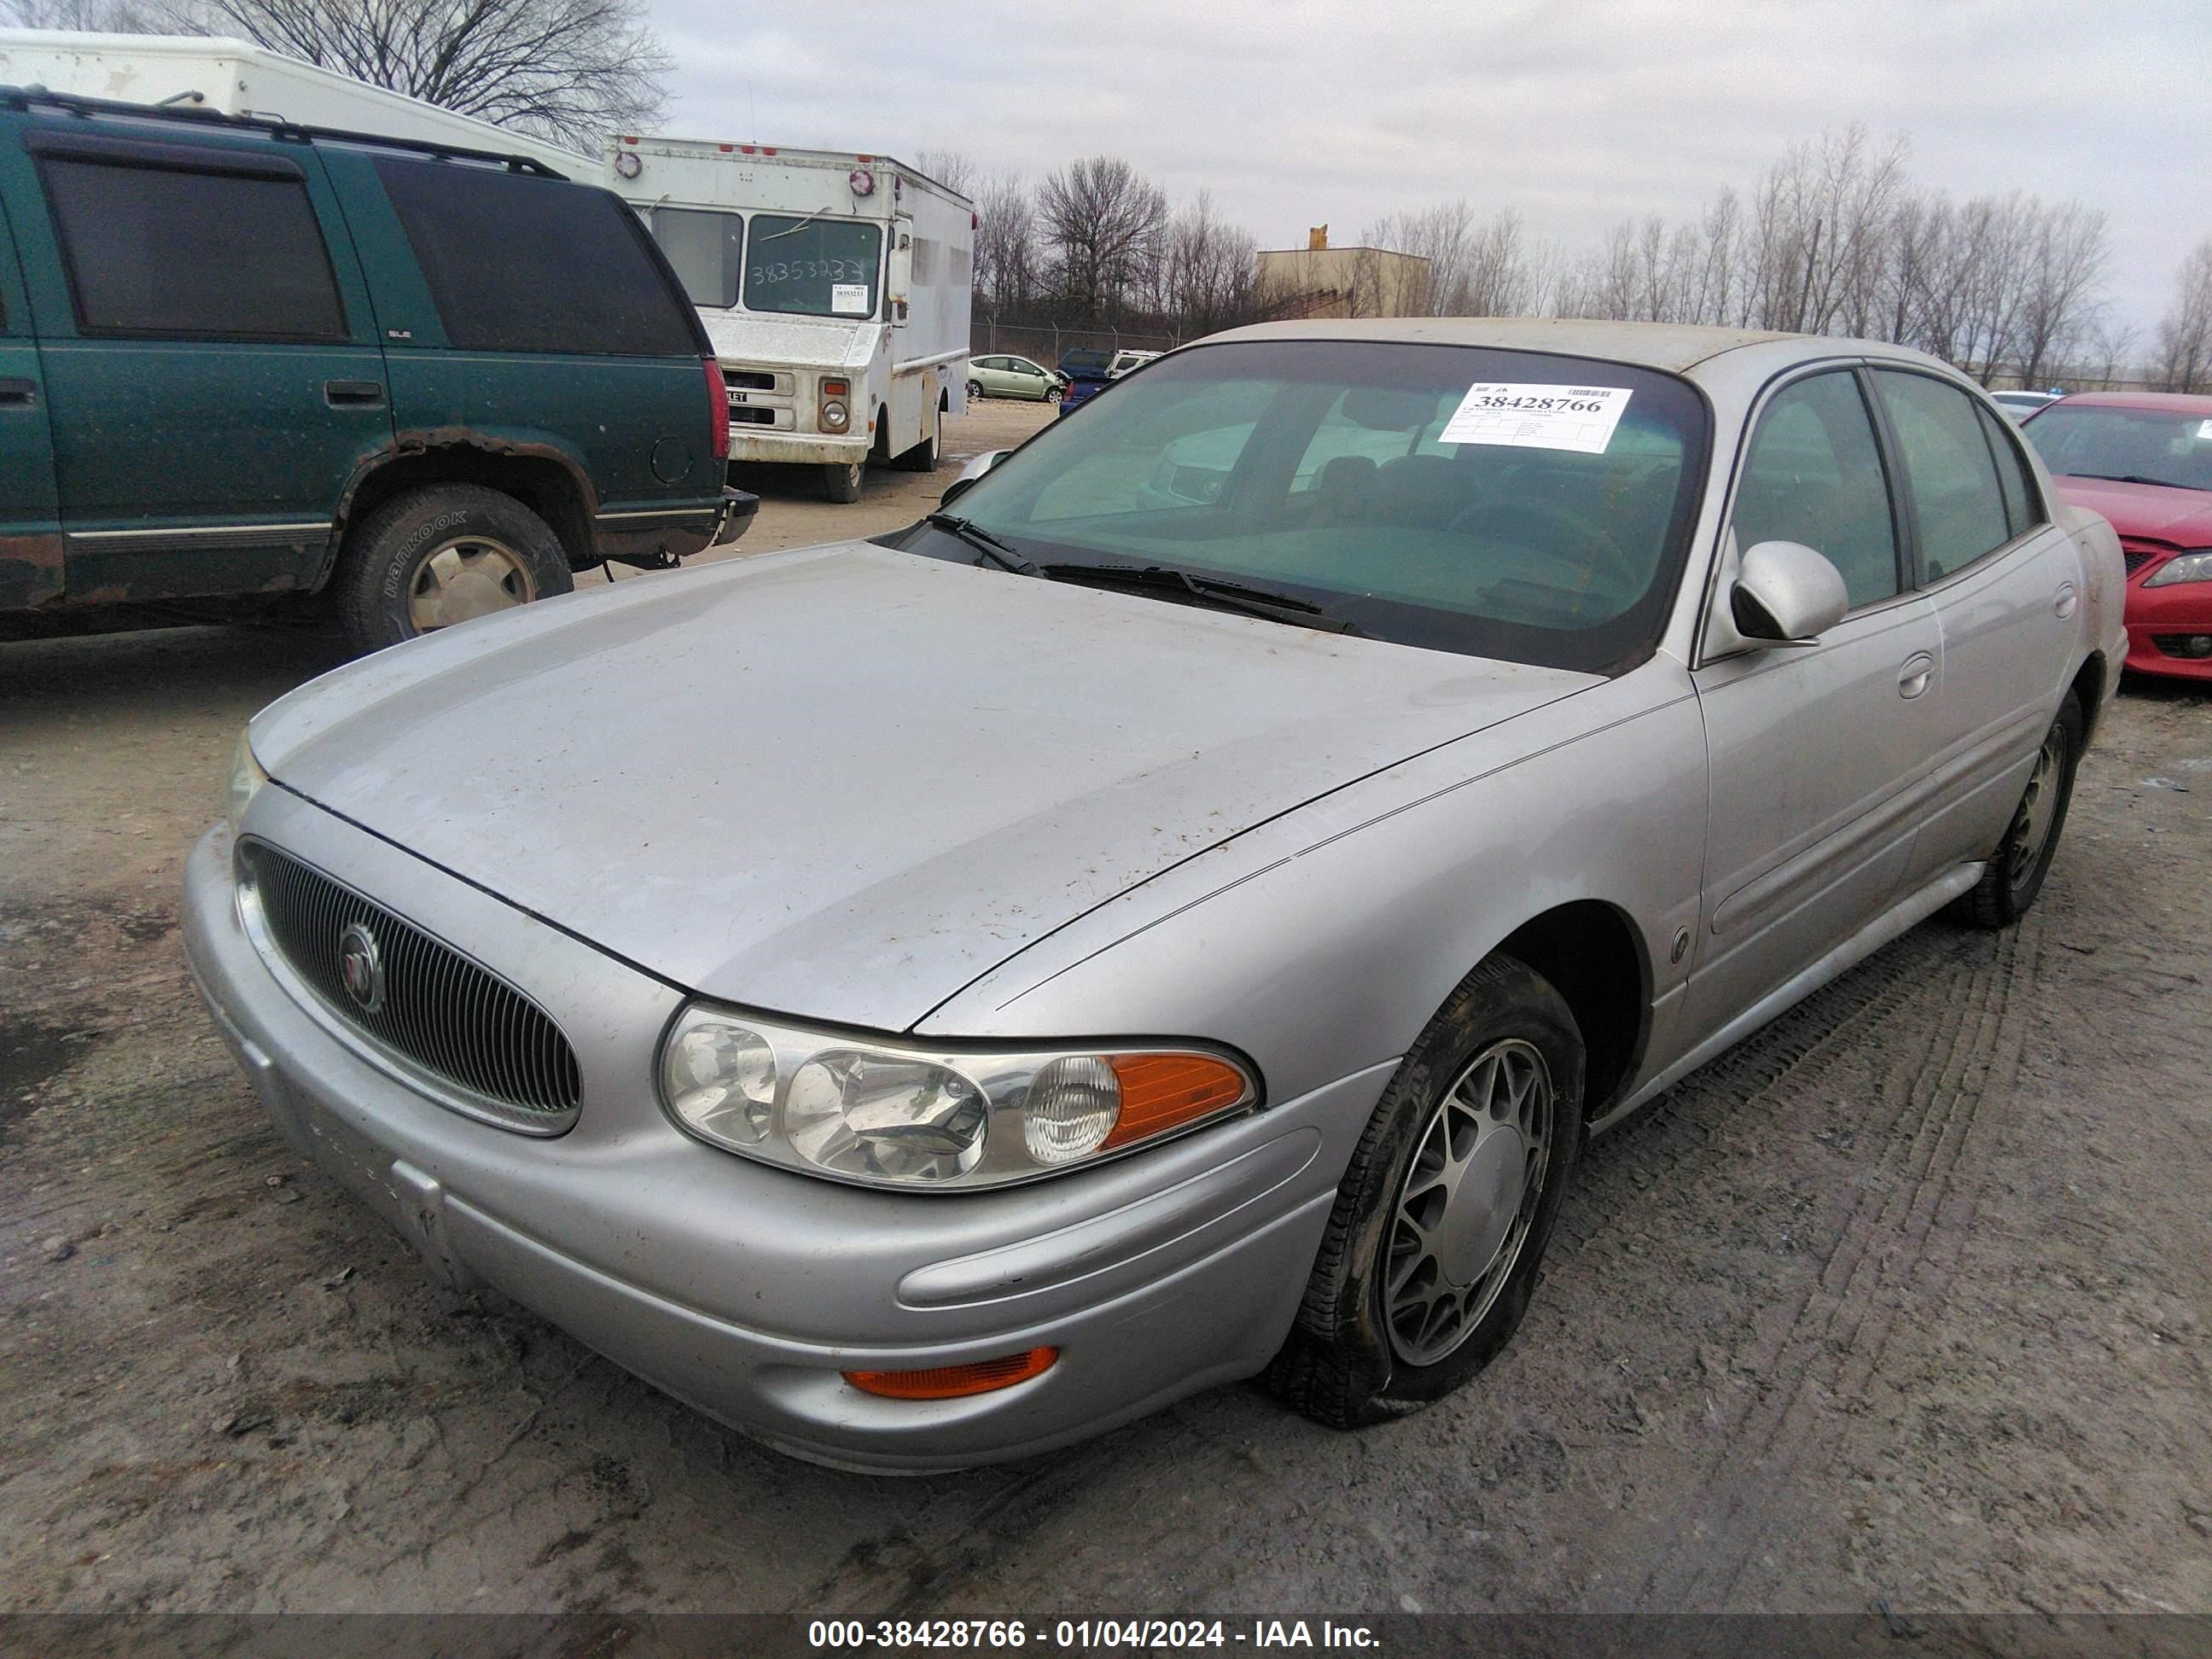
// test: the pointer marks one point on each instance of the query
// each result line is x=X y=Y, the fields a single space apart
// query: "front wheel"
x=1431 y=1251
x=841 y=480
x=2014 y=873
x=1053 y=394
x=442 y=555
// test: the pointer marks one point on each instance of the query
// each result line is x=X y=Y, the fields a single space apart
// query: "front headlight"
x=246 y=778
x=2184 y=568
x=898 y=1115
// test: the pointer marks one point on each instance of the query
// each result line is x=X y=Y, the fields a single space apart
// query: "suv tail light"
x=717 y=410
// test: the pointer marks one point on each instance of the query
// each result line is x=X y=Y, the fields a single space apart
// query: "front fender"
x=1322 y=942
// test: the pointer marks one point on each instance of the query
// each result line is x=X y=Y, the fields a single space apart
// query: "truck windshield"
x=707 y=250
x=818 y=267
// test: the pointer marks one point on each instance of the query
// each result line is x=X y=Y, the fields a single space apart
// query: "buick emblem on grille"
x=361 y=965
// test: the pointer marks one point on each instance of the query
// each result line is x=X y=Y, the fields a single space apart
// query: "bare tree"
x=950 y=168
x=1103 y=222
x=2065 y=270
x=2110 y=346
x=1007 y=259
x=2184 y=333
x=569 y=71
x=99 y=16
x=1209 y=270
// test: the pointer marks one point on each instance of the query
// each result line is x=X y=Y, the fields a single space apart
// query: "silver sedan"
x=1179 y=912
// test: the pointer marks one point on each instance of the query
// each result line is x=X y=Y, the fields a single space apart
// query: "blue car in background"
x=1089 y=372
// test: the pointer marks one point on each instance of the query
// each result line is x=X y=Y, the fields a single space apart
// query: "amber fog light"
x=955 y=1382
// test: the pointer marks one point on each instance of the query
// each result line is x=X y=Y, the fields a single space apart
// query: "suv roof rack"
x=24 y=98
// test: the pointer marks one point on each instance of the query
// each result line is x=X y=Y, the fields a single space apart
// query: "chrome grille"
x=451 y=1015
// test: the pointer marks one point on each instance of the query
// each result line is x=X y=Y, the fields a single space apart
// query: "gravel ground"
x=1905 y=1299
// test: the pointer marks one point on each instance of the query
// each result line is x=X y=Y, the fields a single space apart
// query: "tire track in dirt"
x=1900 y=1238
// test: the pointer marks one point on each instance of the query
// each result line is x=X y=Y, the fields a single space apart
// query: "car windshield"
x=2099 y=440
x=816 y=267
x=1498 y=503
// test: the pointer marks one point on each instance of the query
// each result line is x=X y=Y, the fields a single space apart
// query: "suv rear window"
x=178 y=254
x=522 y=263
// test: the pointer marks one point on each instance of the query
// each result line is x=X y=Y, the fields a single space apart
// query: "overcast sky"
x=1579 y=112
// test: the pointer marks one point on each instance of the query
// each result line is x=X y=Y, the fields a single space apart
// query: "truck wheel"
x=442 y=555
x=2014 y=873
x=841 y=480
x=1442 y=1219
x=922 y=458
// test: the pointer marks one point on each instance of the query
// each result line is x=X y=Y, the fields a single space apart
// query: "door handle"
x=1912 y=679
x=2062 y=606
x=18 y=393
x=353 y=394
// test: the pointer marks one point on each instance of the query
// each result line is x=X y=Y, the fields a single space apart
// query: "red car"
x=2144 y=460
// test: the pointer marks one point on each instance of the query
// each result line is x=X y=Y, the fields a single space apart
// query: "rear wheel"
x=975 y=392
x=841 y=480
x=922 y=458
x=1431 y=1251
x=2016 y=871
x=444 y=554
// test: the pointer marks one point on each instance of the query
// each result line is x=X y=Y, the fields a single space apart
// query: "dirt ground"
x=1906 y=1299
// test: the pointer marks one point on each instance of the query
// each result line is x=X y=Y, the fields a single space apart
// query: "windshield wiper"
x=2134 y=477
x=983 y=542
x=1207 y=590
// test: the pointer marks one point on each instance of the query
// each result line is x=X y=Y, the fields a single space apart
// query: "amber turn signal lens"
x=1159 y=1091
x=953 y=1382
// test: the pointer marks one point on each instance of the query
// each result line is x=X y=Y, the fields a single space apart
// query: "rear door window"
x=517 y=262
x=813 y=267
x=1957 y=504
x=707 y=250
x=167 y=252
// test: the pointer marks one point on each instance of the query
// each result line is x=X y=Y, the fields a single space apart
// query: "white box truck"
x=234 y=77
x=835 y=288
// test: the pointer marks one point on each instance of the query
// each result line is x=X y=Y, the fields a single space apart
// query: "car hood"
x=2155 y=513
x=840 y=783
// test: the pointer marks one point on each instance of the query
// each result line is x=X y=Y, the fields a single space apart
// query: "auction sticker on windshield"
x=848 y=298
x=1577 y=417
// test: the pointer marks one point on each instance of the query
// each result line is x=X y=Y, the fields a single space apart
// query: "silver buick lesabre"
x=1178 y=911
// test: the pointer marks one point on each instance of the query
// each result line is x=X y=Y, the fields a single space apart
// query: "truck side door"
x=30 y=520
x=210 y=358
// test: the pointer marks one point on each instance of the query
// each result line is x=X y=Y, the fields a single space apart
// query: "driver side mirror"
x=1785 y=593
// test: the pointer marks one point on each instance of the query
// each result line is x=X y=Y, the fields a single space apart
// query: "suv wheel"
x=444 y=554
x=841 y=480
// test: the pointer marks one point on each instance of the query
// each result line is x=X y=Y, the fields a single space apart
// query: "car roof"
x=2169 y=403
x=1674 y=346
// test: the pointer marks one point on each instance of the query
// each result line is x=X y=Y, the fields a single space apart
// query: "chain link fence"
x=1047 y=344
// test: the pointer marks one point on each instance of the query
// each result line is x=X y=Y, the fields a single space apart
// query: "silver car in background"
x=1179 y=911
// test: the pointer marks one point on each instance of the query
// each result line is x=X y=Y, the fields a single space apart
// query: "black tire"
x=1346 y=1362
x=922 y=458
x=2016 y=869
x=975 y=392
x=1053 y=394
x=842 y=480
x=385 y=581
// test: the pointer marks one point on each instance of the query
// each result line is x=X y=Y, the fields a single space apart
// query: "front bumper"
x=744 y=1289
x=2160 y=619
x=758 y=443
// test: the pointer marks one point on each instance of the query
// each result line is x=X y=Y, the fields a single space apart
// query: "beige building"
x=1321 y=281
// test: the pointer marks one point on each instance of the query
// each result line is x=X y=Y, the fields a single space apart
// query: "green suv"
x=241 y=358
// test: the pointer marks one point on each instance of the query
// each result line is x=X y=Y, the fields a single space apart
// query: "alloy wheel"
x=467 y=577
